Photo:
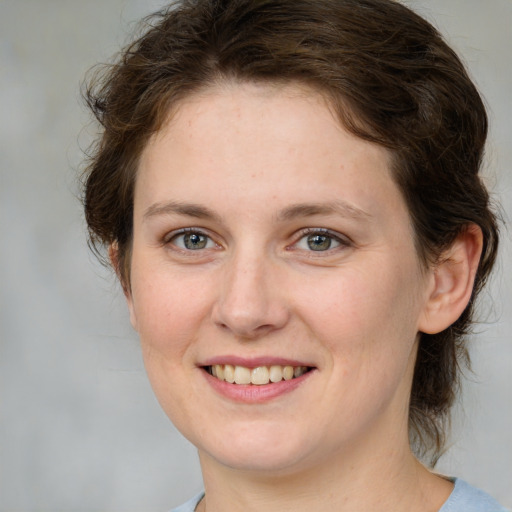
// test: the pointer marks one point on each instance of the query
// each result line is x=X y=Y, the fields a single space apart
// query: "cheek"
x=367 y=316
x=168 y=309
x=366 y=323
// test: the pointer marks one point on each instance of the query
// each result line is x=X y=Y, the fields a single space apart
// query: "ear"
x=452 y=281
x=113 y=254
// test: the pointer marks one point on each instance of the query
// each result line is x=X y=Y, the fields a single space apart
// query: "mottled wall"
x=79 y=426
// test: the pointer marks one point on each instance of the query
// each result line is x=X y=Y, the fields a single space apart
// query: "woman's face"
x=267 y=237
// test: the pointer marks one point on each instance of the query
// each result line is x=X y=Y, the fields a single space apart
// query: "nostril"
x=248 y=333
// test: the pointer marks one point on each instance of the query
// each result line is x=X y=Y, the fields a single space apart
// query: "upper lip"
x=253 y=362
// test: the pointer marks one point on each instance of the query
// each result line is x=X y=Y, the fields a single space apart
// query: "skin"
x=232 y=165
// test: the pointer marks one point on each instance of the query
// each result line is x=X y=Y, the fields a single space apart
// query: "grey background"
x=79 y=427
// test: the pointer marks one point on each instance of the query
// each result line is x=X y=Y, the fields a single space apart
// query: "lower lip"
x=252 y=394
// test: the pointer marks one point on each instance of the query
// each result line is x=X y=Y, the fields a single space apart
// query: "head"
x=390 y=80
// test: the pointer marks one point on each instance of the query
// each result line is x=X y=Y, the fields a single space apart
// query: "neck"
x=343 y=481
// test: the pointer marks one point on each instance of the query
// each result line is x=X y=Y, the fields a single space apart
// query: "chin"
x=267 y=462
x=272 y=451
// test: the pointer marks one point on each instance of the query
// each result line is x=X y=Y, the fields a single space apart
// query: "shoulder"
x=190 y=505
x=466 y=498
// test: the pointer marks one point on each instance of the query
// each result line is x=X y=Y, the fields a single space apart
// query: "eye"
x=320 y=241
x=192 y=241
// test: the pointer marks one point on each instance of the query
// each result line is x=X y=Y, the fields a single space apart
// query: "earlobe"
x=113 y=254
x=452 y=282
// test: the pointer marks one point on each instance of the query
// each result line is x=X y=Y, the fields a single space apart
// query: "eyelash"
x=341 y=241
x=171 y=238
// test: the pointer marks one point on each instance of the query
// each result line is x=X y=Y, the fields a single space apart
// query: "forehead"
x=259 y=139
x=268 y=112
x=220 y=100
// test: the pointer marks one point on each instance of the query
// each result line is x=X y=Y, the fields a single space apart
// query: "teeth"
x=276 y=373
x=242 y=375
x=299 y=370
x=260 y=375
x=257 y=376
x=219 y=371
x=288 y=372
x=229 y=373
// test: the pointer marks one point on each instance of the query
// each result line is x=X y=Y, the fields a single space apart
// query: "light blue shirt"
x=464 y=498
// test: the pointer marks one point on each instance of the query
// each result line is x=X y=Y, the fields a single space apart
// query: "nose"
x=251 y=303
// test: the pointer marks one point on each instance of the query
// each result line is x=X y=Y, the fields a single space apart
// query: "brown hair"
x=391 y=79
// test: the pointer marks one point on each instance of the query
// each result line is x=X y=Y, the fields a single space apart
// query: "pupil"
x=319 y=242
x=195 y=241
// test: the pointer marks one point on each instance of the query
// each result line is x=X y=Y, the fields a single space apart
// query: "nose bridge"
x=249 y=303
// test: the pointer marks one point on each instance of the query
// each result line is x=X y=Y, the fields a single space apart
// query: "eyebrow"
x=311 y=209
x=289 y=213
x=173 y=207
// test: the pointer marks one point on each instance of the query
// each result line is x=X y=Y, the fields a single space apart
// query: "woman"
x=289 y=192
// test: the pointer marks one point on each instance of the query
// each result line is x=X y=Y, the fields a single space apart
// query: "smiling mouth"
x=258 y=376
